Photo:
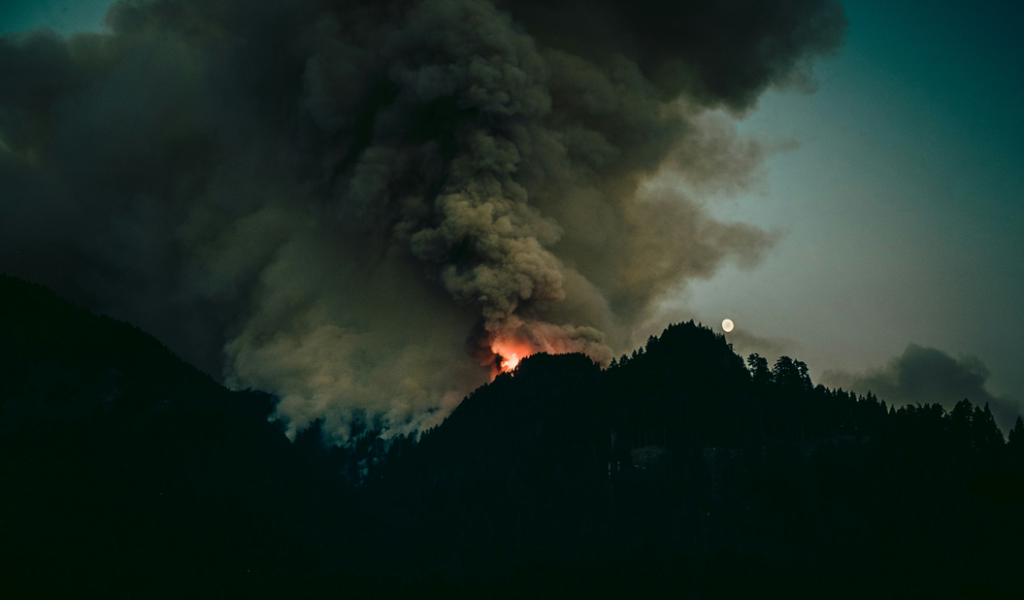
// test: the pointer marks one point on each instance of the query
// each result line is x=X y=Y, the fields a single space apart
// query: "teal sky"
x=904 y=202
x=63 y=16
x=902 y=206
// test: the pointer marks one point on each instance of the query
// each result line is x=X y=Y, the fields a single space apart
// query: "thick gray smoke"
x=358 y=205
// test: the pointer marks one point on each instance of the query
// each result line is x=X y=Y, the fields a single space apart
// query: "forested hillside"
x=681 y=471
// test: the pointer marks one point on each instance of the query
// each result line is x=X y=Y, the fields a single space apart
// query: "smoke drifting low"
x=927 y=375
x=356 y=204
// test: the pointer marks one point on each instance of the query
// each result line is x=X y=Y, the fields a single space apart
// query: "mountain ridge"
x=680 y=470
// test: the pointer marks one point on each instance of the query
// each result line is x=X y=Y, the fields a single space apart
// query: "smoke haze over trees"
x=923 y=375
x=353 y=204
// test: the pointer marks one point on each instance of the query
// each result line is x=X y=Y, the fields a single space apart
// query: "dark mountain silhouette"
x=680 y=471
x=128 y=473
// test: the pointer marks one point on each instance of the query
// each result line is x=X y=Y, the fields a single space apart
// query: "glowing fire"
x=507 y=364
x=510 y=354
x=508 y=342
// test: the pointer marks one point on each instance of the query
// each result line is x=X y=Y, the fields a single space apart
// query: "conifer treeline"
x=754 y=482
x=681 y=471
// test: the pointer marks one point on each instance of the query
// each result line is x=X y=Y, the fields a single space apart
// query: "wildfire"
x=509 y=354
x=507 y=364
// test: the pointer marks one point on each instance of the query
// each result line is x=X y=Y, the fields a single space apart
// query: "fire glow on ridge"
x=509 y=354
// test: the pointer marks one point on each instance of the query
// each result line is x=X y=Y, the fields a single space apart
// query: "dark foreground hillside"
x=127 y=473
x=683 y=471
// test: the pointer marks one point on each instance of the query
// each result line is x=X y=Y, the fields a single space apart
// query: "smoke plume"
x=359 y=205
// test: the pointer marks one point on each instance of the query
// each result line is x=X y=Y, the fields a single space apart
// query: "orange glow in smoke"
x=510 y=352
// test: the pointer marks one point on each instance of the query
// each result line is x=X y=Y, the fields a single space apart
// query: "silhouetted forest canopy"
x=680 y=471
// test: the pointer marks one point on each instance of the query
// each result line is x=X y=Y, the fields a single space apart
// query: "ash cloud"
x=928 y=375
x=325 y=199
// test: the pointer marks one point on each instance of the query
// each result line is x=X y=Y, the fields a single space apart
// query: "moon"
x=727 y=325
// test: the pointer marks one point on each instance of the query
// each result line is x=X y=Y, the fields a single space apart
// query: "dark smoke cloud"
x=714 y=52
x=928 y=375
x=331 y=196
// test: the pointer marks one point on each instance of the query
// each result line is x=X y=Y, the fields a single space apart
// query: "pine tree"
x=1016 y=437
x=984 y=431
x=1015 y=445
x=960 y=421
x=759 y=372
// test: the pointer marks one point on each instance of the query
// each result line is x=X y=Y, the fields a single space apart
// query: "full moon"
x=727 y=325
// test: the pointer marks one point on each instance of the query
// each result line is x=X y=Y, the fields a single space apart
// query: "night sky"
x=893 y=192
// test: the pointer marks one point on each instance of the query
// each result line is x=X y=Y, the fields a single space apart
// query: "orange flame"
x=506 y=343
x=507 y=364
x=510 y=354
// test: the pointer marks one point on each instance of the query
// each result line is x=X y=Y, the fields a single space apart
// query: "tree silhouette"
x=684 y=471
x=759 y=372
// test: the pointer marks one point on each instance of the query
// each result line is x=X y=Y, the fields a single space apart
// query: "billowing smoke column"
x=333 y=197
